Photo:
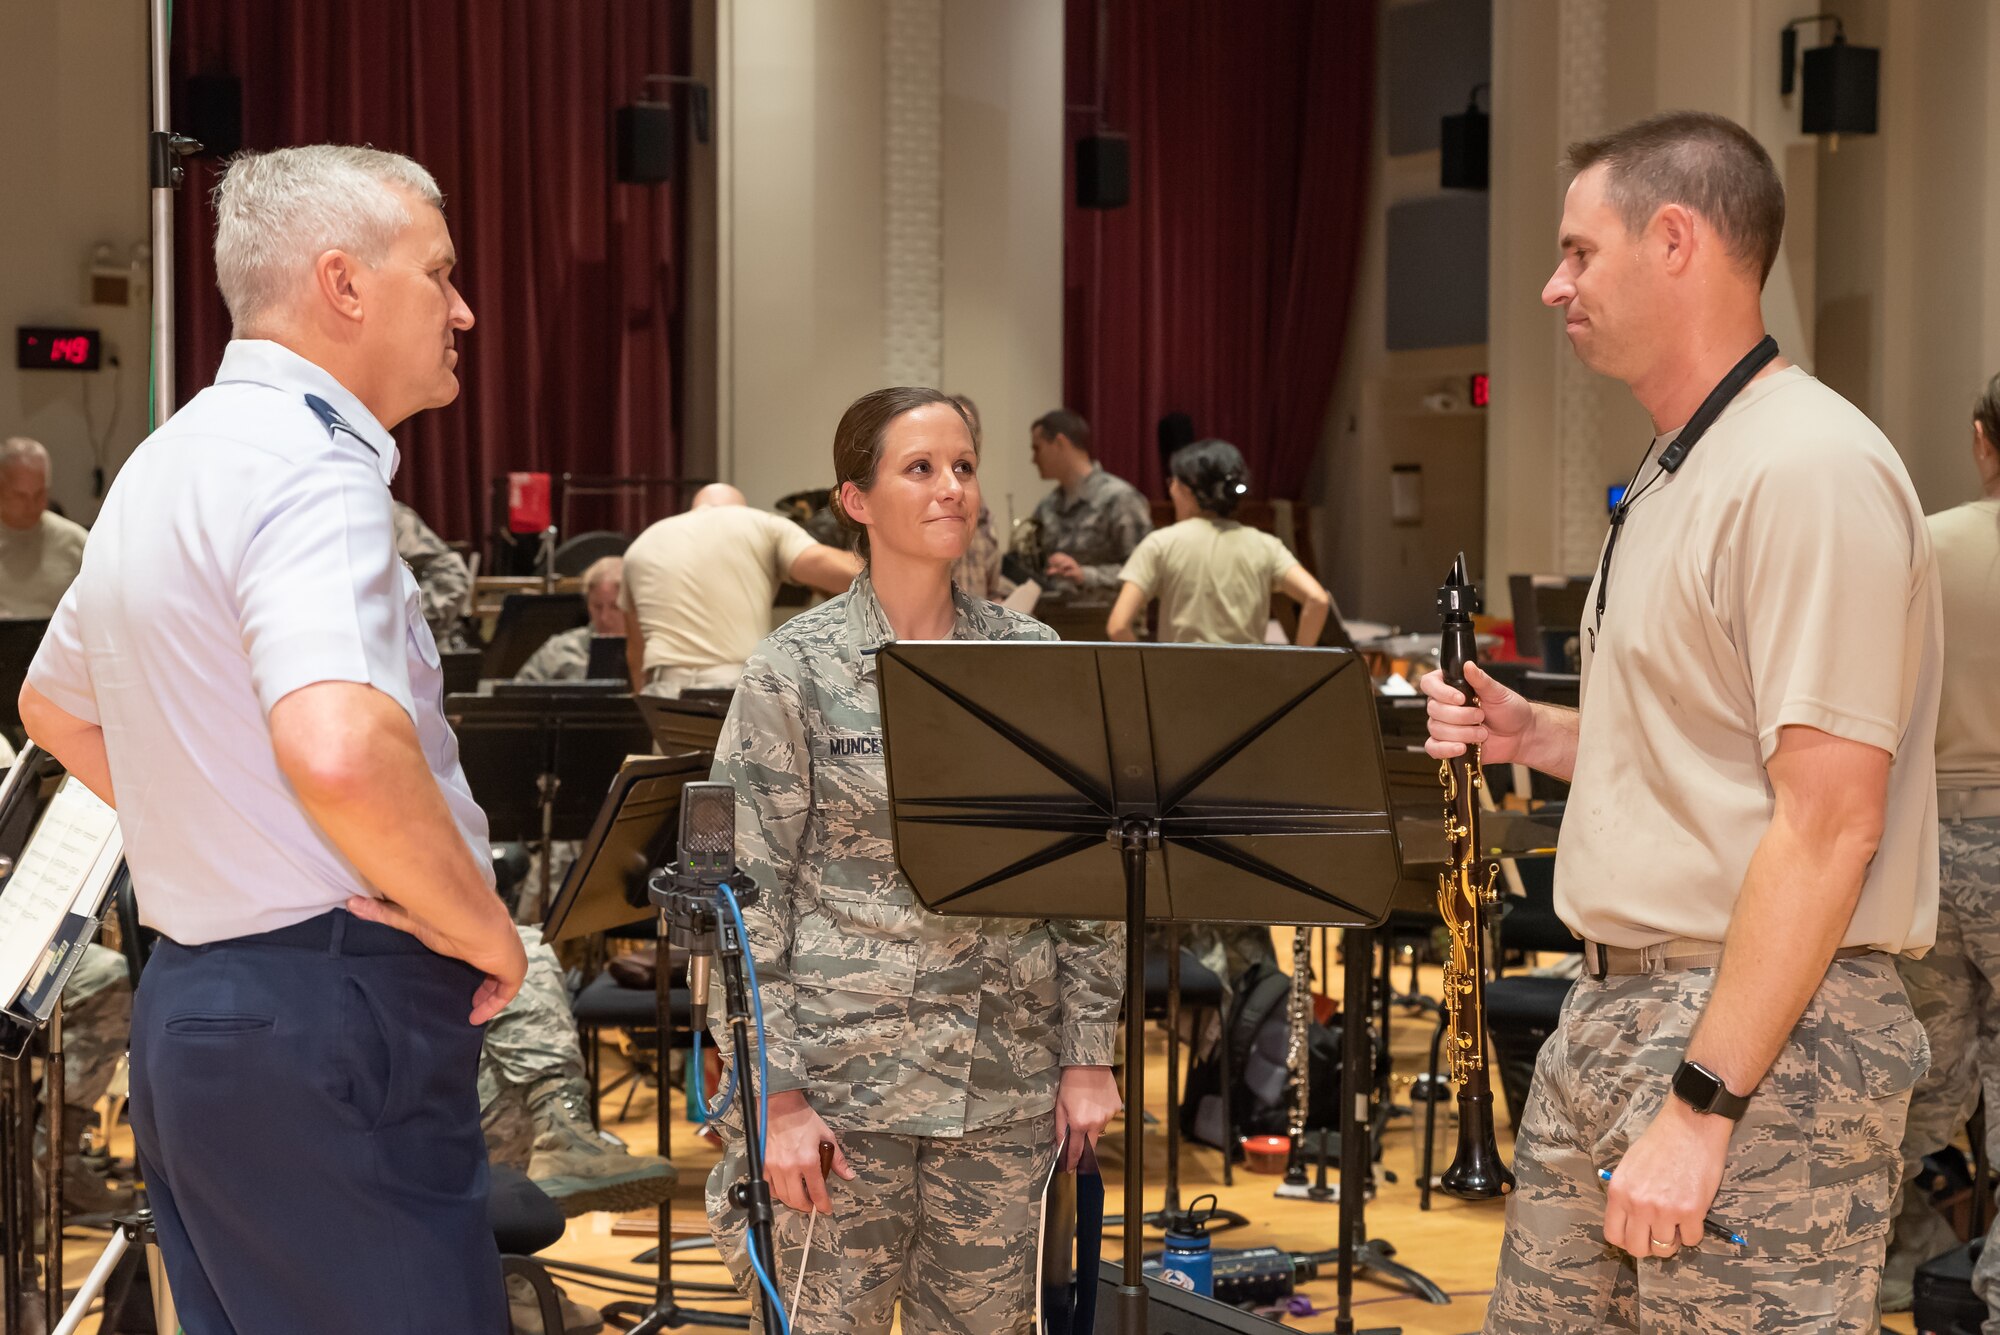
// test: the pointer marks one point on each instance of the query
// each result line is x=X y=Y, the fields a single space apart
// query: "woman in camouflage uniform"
x=942 y=1058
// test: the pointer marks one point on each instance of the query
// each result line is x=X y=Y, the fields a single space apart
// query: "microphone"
x=708 y=858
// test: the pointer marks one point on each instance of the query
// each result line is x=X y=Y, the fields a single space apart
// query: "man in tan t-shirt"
x=699 y=588
x=40 y=551
x=1956 y=987
x=1751 y=838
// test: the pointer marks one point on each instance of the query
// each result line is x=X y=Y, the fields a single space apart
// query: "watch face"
x=1695 y=1087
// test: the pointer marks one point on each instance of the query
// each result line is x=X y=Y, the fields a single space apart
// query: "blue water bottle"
x=1187 y=1262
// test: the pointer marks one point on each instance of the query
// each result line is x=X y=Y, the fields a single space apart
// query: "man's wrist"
x=1705 y=1125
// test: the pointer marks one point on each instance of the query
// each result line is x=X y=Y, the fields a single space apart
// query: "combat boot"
x=582 y=1170
x=1919 y=1234
x=526 y=1313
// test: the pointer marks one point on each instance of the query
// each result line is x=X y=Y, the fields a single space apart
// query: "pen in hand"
x=1708 y=1225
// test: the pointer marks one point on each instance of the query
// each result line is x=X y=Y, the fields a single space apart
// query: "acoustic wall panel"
x=1437 y=272
x=1434 y=52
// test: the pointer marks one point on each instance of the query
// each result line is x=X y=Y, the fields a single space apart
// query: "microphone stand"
x=695 y=919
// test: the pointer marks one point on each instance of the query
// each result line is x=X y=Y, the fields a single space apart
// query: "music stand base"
x=668 y=1315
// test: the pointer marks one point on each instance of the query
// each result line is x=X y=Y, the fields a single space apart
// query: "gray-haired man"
x=39 y=549
x=243 y=669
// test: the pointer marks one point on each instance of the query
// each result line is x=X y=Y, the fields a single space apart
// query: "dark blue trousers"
x=307 y=1115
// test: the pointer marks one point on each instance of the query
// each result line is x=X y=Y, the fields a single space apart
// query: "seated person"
x=1214 y=578
x=566 y=656
x=444 y=581
x=40 y=551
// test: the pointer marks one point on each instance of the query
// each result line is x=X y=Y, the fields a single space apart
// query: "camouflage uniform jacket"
x=978 y=571
x=443 y=582
x=562 y=657
x=1099 y=526
x=897 y=1020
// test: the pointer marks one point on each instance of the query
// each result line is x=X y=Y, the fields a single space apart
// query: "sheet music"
x=70 y=857
x=1023 y=598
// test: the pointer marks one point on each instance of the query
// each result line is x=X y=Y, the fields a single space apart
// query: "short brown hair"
x=857 y=443
x=1063 y=422
x=1706 y=163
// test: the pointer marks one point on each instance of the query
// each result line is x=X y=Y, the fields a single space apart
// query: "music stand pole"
x=1135 y=837
x=52 y=1266
x=664 y=1312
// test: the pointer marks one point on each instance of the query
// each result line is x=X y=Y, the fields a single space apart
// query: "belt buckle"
x=1596 y=961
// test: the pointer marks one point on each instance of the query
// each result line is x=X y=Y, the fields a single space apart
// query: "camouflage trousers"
x=97 y=1025
x=1956 y=992
x=944 y=1227
x=1811 y=1171
x=533 y=1039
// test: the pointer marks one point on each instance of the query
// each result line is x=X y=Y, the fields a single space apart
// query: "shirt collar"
x=1082 y=484
x=868 y=626
x=259 y=361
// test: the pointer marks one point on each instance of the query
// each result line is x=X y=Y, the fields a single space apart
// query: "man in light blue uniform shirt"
x=243 y=669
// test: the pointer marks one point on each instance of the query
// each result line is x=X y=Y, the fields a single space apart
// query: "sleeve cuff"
x=1827 y=719
x=66 y=695
x=1088 y=1044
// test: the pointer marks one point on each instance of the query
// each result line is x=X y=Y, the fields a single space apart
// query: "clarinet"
x=1298 y=1062
x=1465 y=896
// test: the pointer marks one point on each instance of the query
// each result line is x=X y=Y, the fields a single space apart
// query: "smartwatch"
x=1702 y=1090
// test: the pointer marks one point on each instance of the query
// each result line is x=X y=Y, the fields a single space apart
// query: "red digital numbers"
x=1482 y=390
x=72 y=351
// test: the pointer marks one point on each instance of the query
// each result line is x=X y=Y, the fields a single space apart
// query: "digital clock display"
x=41 y=349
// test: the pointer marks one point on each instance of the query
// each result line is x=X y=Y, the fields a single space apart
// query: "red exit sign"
x=45 y=349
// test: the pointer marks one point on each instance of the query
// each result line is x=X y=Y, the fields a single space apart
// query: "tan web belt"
x=1600 y=961
x=1968 y=803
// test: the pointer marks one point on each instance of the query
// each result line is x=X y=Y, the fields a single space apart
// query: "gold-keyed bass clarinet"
x=1466 y=897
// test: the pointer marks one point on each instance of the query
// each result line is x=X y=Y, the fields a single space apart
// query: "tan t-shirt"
x=1967 y=540
x=702 y=583
x=1213 y=578
x=1783 y=576
x=38 y=564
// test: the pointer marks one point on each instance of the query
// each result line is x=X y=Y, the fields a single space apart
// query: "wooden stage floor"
x=1455 y=1243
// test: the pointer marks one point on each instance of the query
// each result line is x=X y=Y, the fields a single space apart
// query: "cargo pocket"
x=851 y=1003
x=1866 y=1076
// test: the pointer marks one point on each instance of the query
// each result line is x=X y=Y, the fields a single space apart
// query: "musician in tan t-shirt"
x=1751 y=836
x=1956 y=987
x=699 y=589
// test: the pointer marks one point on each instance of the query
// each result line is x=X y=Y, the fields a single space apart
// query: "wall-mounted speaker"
x=215 y=114
x=645 y=143
x=1840 y=89
x=1103 y=171
x=1464 y=142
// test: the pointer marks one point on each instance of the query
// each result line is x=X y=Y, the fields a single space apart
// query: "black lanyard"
x=1675 y=454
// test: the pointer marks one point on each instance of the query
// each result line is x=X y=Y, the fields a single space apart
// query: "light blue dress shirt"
x=245 y=551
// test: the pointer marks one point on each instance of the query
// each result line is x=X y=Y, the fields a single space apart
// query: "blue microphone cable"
x=763 y=1097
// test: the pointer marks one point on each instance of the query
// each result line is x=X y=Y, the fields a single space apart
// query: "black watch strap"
x=1703 y=1090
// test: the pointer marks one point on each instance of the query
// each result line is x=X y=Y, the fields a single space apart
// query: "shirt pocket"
x=851 y=1003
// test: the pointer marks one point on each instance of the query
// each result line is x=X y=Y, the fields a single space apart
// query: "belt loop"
x=1595 y=962
x=339 y=936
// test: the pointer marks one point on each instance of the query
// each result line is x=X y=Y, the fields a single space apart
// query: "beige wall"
x=801 y=230
x=1557 y=435
x=1909 y=255
x=73 y=95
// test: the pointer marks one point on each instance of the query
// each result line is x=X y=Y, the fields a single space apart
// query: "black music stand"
x=527 y=620
x=31 y=785
x=19 y=638
x=632 y=836
x=607 y=660
x=690 y=722
x=1149 y=783
x=540 y=757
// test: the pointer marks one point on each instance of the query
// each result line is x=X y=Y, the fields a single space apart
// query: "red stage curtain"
x=573 y=363
x=1222 y=289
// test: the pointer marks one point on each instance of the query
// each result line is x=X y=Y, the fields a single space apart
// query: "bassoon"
x=1466 y=897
